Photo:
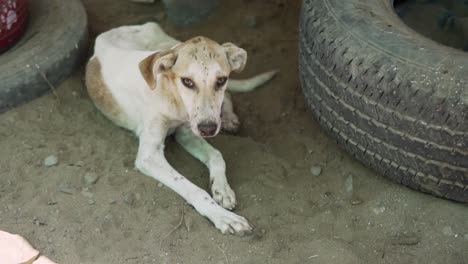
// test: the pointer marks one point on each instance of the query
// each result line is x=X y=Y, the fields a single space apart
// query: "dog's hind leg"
x=212 y=158
x=229 y=120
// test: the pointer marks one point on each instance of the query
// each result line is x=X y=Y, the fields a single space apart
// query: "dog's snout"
x=207 y=128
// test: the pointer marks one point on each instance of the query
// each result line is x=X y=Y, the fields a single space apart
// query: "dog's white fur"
x=134 y=78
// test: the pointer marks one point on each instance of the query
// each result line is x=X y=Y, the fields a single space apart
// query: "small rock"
x=378 y=210
x=349 y=184
x=316 y=170
x=251 y=21
x=87 y=194
x=27 y=146
x=65 y=189
x=91 y=202
x=447 y=230
x=51 y=202
x=406 y=239
x=79 y=163
x=37 y=222
x=129 y=199
x=356 y=201
x=50 y=161
x=263 y=231
x=160 y=185
x=188 y=222
x=90 y=178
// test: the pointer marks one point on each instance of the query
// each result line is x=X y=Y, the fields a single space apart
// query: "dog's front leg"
x=151 y=161
x=212 y=158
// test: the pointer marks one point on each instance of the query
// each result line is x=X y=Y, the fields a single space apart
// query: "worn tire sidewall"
x=51 y=47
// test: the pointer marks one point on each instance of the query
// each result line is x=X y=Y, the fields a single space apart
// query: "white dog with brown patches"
x=147 y=82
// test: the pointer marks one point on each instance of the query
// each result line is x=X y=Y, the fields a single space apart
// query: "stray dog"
x=145 y=81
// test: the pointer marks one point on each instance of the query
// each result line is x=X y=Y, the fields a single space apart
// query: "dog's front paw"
x=230 y=223
x=223 y=195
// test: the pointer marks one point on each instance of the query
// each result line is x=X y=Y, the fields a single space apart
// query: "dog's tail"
x=247 y=85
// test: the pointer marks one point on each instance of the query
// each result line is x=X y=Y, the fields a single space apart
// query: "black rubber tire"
x=53 y=44
x=394 y=99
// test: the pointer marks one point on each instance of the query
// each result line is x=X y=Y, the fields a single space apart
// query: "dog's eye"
x=188 y=83
x=220 y=82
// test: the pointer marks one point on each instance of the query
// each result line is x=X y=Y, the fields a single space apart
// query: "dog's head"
x=198 y=70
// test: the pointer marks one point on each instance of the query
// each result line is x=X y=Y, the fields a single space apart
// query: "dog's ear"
x=236 y=56
x=156 y=63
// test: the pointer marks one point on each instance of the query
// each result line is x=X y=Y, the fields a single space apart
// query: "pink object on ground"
x=13 y=15
x=16 y=250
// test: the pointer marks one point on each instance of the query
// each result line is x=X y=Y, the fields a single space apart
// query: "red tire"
x=13 y=15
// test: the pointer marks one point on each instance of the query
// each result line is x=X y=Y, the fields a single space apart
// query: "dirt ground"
x=347 y=214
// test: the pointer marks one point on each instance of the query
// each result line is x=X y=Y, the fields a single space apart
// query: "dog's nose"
x=207 y=129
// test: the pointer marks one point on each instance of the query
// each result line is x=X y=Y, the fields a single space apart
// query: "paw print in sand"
x=8 y=14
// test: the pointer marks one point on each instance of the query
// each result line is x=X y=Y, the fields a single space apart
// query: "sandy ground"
x=347 y=214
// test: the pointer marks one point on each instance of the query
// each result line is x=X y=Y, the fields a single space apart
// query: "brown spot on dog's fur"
x=196 y=40
x=100 y=93
x=147 y=66
x=146 y=69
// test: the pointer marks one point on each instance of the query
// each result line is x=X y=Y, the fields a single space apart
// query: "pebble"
x=51 y=202
x=38 y=222
x=87 y=193
x=447 y=230
x=79 y=163
x=406 y=239
x=50 y=161
x=378 y=210
x=160 y=185
x=316 y=170
x=91 y=202
x=129 y=199
x=90 y=178
x=188 y=222
x=356 y=201
x=65 y=189
x=27 y=146
x=349 y=184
